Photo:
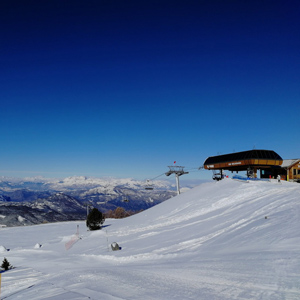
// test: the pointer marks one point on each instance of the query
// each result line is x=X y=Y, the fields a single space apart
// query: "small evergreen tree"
x=95 y=219
x=6 y=265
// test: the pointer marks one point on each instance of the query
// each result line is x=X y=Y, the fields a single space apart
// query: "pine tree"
x=6 y=265
x=120 y=213
x=95 y=219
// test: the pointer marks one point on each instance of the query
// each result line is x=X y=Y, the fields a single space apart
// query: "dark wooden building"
x=267 y=161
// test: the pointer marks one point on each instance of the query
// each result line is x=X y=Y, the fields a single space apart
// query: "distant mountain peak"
x=4 y=198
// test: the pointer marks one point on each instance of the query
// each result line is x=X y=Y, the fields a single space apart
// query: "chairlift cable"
x=158 y=176
x=194 y=168
x=191 y=168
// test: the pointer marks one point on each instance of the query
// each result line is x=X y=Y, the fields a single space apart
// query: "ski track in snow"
x=211 y=243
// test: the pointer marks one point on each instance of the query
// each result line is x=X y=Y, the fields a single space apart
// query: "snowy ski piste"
x=219 y=241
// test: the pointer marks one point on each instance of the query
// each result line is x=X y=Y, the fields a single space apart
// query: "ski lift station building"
x=267 y=162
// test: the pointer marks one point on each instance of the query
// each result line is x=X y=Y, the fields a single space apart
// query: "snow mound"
x=21 y=219
x=2 y=249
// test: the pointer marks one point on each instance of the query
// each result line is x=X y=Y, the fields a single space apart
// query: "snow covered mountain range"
x=226 y=240
x=36 y=200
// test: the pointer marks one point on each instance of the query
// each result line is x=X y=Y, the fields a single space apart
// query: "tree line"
x=120 y=213
x=96 y=218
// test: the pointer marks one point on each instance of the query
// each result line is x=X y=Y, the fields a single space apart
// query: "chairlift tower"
x=178 y=171
x=88 y=206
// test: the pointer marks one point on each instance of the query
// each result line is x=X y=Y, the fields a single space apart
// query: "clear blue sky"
x=125 y=88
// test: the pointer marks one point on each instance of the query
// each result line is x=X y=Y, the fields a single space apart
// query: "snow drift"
x=221 y=240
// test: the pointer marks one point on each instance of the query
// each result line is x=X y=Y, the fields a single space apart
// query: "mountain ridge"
x=54 y=196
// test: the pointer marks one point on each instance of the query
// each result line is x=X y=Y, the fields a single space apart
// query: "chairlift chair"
x=125 y=199
x=149 y=185
x=217 y=175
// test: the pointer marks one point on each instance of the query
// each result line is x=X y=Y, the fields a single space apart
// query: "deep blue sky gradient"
x=125 y=88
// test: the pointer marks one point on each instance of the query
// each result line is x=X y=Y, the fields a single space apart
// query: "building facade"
x=290 y=170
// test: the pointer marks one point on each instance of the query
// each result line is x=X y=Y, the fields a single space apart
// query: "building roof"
x=245 y=155
x=289 y=162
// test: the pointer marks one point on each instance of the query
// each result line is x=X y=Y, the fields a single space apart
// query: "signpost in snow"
x=75 y=238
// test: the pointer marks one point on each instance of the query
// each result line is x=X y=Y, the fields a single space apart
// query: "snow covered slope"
x=219 y=241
